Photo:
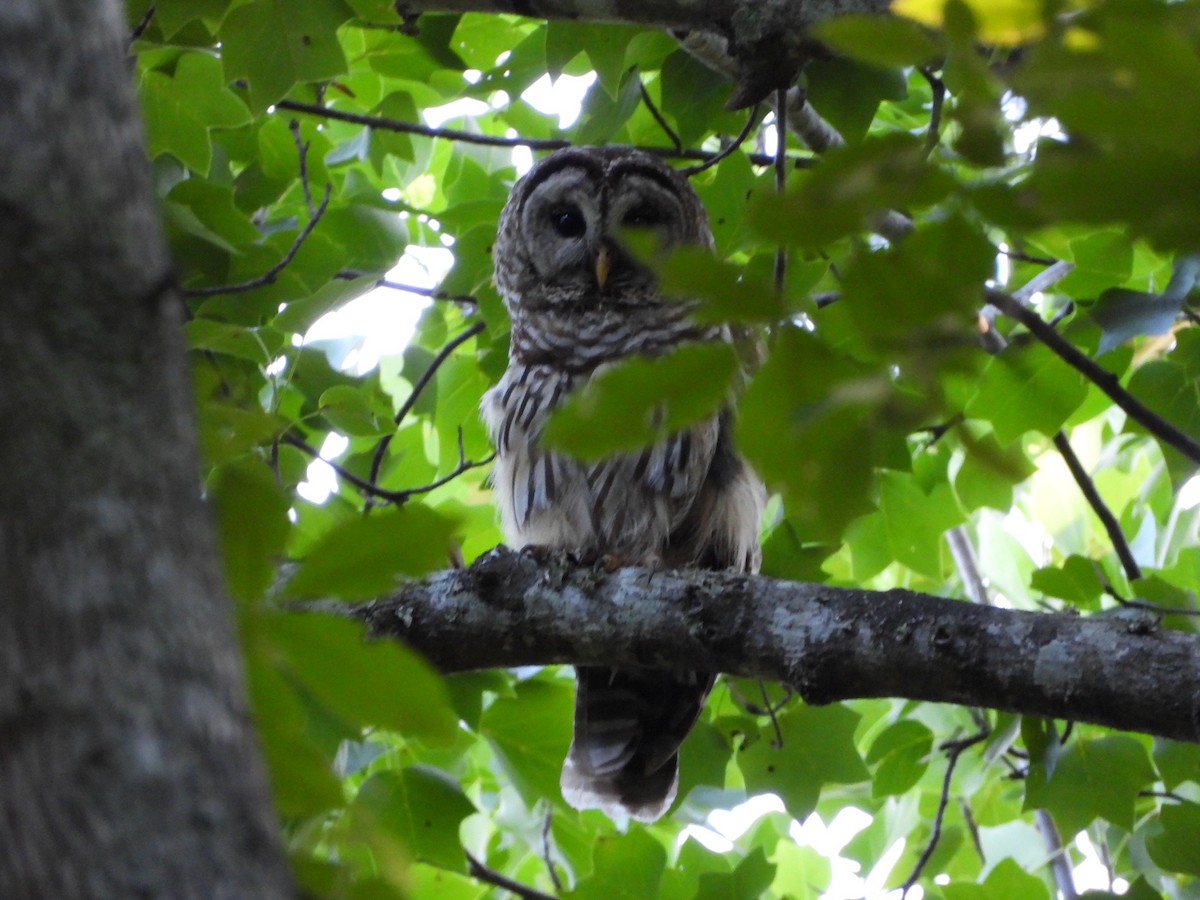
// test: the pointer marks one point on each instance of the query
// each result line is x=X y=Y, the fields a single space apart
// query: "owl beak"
x=603 y=265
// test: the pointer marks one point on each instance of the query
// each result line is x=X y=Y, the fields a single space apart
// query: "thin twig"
x=420 y=290
x=658 y=117
x=411 y=400
x=491 y=876
x=370 y=489
x=972 y=827
x=953 y=750
x=968 y=565
x=933 y=136
x=143 y=24
x=1088 y=488
x=715 y=158
x=1030 y=258
x=781 y=133
x=558 y=885
x=490 y=140
x=1060 y=862
x=1097 y=374
x=777 y=743
x=302 y=151
x=272 y=273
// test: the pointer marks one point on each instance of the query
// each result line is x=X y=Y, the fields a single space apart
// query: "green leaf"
x=274 y=45
x=908 y=293
x=1175 y=848
x=374 y=684
x=818 y=749
x=915 y=521
x=252 y=525
x=1171 y=387
x=1005 y=881
x=727 y=293
x=364 y=558
x=349 y=410
x=1098 y=778
x=626 y=866
x=1077 y=581
x=813 y=423
x=419 y=806
x=1177 y=762
x=1026 y=388
x=849 y=92
x=882 y=41
x=748 y=881
x=1126 y=314
x=641 y=400
x=902 y=754
x=259 y=345
x=530 y=733
x=180 y=110
x=302 y=779
x=172 y=15
x=851 y=184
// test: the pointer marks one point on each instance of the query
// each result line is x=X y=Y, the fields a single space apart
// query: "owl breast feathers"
x=578 y=300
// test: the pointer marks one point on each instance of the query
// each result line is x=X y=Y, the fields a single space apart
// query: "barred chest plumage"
x=579 y=300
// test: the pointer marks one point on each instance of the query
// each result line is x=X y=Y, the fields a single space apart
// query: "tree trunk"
x=128 y=766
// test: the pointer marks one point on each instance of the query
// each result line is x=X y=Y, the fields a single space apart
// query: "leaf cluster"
x=891 y=407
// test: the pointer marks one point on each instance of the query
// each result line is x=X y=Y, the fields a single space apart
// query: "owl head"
x=561 y=244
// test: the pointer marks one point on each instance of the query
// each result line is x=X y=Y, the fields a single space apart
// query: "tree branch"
x=269 y=276
x=1088 y=488
x=1097 y=374
x=829 y=643
x=493 y=140
x=411 y=400
x=744 y=20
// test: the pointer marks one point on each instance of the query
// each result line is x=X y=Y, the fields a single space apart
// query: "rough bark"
x=829 y=643
x=128 y=766
x=744 y=21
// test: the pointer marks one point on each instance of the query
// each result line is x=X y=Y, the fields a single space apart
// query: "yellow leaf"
x=1004 y=22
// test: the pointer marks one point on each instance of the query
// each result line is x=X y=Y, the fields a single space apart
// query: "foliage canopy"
x=878 y=419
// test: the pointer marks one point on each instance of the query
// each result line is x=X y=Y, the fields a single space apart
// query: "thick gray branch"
x=829 y=643
x=747 y=21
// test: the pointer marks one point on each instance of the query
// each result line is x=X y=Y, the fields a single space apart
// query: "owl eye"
x=568 y=222
x=642 y=217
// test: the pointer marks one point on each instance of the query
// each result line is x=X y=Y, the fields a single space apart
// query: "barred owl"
x=579 y=300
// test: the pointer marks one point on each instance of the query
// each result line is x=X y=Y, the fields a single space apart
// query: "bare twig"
x=369 y=488
x=489 y=140
x=491 y=876
x=1029 y=258
x=715 y=158
x=414 y=395
x=1055 y=272
x=777 y=741
x=953 y=749
x=420 y=290
x=934 y=135
x=658 y=117
x=272 y=273
x=302 y=151
x=799 y=116
x=968 y=565
x=550 y=867
x=780 y=184
x=1088 y=488
x=1060 y=862
x=1097 y=374
x=143 y=24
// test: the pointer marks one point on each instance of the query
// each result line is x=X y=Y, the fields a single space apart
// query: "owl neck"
x=581 y=340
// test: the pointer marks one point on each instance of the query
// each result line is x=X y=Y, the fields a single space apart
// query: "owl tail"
x=629 y=724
